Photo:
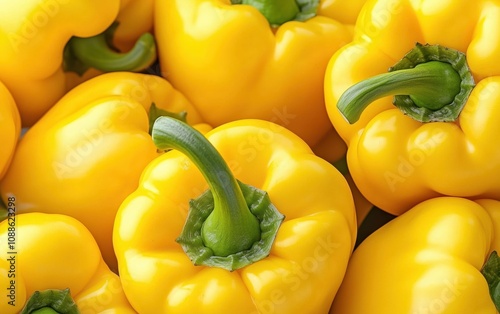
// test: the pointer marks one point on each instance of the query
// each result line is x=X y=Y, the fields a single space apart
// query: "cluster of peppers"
x=216 y=156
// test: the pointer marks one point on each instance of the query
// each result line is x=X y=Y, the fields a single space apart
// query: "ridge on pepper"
x=400 y=155
x=256 y=60
x=178 y=241
x=44 y=41
x=91 y=147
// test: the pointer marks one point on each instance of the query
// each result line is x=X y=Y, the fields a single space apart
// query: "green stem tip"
x=431 y=83
x=278 y=12
x=51 y=301
x=98 y=52
x=155 y=113
x=232 y=224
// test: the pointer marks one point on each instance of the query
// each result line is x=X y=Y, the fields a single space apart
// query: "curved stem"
x=155 y=113
x=96 y=52
x=230 y=227
x=278 y=12
x=431 y=85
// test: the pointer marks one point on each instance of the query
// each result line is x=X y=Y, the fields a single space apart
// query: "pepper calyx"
x=51 y=301
x=259 y=204
x=427 y=53
x=232 y=224
x=278 y=12
x=431 y=83
x=491 y=272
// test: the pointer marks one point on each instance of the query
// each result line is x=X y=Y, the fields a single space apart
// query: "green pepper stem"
x=155 y=113
x=431 y=85
x=96 y=52
x=278 y=12
x=51 y=301
x=231 y=227
x=45 y=310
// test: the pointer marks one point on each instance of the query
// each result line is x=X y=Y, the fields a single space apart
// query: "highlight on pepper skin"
x=405 y=107
x=53 y=261
x=269 y=158
x=436 y=257
x=249 y=156
x=96 y=142
x=324 y=247
x=281 y=77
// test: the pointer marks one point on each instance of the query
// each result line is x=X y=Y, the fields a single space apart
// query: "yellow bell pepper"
x=428 y=260
x=194 y=239
x=35 y=37
x=49 y=251
x=400 y=156
x=10 y=128
x=85 y=155
x=134 y=19
x=234 y=62
x=131 y=34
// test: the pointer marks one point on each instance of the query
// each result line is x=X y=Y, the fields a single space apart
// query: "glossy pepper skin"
x=33 y=36
x=229 y=61
x=55 y=252
x=91 y=148
x=135 y=18
x=427 y=260
x=396 y=161
x=10 y=128
x=307 y=259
